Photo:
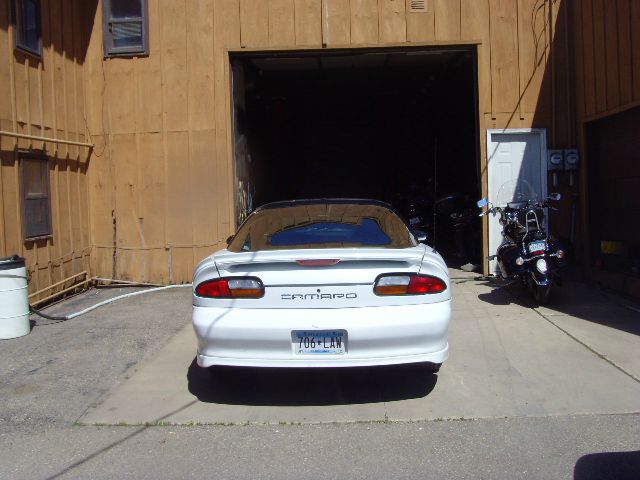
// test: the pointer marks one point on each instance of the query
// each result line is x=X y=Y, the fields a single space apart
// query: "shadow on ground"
x=576 y=299
x=317 y=386
x=618 y=465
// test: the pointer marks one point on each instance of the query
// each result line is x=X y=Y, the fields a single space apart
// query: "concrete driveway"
x=507 y=359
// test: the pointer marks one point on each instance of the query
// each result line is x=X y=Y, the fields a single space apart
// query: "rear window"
x=322 y=226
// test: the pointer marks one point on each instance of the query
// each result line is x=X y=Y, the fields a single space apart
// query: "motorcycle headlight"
x=541 y=265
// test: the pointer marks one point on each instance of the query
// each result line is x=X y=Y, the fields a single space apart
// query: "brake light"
x=243 y=287
x=408 y=284
x=321 y=262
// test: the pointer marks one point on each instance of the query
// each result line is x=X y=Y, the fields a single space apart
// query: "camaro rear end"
x=322 y=283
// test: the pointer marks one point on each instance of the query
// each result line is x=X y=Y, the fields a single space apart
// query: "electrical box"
x=571 y=159
x=556 y=160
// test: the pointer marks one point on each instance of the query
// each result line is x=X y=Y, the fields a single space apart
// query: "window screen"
x=27 y=24
x=36 y=203
x=125 y=27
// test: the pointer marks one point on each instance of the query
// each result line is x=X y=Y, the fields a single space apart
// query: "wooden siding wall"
x=607 y=56
x=46 y=98
x=607 y=71
x=162 y=185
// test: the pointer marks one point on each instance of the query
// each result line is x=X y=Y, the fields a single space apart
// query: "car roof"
x=324 y=201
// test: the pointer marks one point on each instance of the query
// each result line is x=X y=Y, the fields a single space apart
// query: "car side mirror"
x=482 y=202
x=555 y=196
x=420 y=236
x=230 y=239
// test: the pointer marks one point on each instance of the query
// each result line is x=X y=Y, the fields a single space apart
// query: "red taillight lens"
x=244 y=287
x=404 y=284
x=321 y=262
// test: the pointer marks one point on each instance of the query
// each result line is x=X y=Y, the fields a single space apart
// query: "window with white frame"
x=125 y=27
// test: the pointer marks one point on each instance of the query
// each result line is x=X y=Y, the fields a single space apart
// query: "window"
x=27 y=26
x=36 y=202
x=125 y=27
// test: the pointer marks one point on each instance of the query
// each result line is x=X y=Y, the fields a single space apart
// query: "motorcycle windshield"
x=516 y=192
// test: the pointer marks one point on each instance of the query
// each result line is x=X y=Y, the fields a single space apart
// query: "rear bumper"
x=375 y=335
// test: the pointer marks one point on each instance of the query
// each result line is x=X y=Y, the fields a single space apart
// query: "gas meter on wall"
x=571 y=159
x=555 y=163
x=556 y=160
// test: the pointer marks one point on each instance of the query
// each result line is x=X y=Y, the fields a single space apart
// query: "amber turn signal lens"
x=408 y=284
x=244 y=287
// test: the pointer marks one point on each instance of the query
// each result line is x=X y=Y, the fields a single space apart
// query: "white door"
x=514 y=155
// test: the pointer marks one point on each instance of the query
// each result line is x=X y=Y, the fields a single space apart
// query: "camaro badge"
x=317 y=296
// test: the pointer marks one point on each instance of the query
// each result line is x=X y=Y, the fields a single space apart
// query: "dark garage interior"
x=398 y=125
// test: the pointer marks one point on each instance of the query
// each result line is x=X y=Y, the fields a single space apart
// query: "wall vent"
x=418 y=6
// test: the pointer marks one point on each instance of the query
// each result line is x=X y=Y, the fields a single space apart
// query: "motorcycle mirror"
x=482 y=202
x=420 y=236
x=555 y=196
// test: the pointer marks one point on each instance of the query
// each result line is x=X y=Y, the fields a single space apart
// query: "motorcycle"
x=527 y=252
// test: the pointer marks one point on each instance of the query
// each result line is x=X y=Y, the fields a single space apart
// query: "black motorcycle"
x=527 y=253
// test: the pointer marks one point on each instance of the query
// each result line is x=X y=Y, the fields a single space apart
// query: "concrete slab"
x=507 y=360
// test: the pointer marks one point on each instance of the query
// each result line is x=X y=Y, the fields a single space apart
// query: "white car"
x=322 y=283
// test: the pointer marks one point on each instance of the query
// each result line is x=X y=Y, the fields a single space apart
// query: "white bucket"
x=14 y=302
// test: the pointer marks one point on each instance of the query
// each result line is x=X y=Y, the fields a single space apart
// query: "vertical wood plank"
x=200 y=64
x=336 y=22
x=635 y=41
x=504 y=56
x=152 y=193
x=447 y=19
x=600 y=54
x=123 y=147
x=120 y=100
x=254 y=23
x=588 y=57
x=179 y=214
x=173 y=31
x=364 y=22
x=611 y=45
x=532 y=47
x=624 y=49
x=202 y=150
x=474 y=17
x=576 y=22
x=393 y=21
x=308 y=22
x=420 y=25
x=226 y=35
x=102 y=199
x=148 y=78
x=6 y=111
x=48 y=53
x=282 y=30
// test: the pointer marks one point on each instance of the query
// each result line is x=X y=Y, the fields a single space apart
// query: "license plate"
x=537 y=246
x=415 y=221
x=319 y=342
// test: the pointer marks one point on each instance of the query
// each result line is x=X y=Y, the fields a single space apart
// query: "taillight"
x=408 y=284
x=242 y=287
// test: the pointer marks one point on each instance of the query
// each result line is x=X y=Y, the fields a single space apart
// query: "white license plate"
x=536 y=246
x=319 y=342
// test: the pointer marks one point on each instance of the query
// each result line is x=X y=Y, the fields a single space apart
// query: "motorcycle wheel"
x=541 y=294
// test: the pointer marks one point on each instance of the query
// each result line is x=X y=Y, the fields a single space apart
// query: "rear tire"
x=541 y=294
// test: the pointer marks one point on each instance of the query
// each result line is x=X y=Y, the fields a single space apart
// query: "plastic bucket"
x=14 y=302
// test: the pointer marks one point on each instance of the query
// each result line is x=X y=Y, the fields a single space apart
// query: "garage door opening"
x=398 y=125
